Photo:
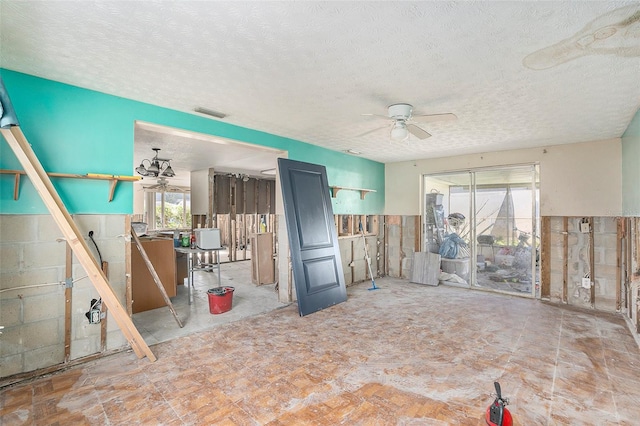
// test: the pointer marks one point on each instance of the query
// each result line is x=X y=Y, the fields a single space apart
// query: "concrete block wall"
x=32 y=290
x=603 y=273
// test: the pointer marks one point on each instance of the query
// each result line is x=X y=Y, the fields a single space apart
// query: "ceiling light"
x=210 y=112
x=352 y=152
x=156 y=166
x=399 y=131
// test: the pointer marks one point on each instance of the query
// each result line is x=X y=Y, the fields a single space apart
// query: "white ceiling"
x=189 y=151
x=517 y=74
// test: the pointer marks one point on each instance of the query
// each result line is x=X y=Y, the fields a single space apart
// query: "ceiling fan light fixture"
x=168 y=172
x=141 y=170
x=157 y=166
x=399 y=131
x=154 y=168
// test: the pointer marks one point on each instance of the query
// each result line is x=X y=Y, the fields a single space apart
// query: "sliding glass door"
x=490 y=236
x=506 y=229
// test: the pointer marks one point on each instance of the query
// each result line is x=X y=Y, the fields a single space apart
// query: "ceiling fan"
x=402 y=116
x=162 y=185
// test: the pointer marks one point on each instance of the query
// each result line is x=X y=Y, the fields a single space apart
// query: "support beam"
x=41 y=182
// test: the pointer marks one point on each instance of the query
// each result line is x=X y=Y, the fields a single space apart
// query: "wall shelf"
x=363 y=191
x=114 y=179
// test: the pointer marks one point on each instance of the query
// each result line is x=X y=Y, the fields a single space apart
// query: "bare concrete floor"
x=405 y=354
x=159 y=325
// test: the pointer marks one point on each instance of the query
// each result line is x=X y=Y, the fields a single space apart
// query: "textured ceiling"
x=517 y=74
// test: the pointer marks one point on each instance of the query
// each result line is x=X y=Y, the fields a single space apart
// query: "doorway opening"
x=217 y=183
x=485 y=225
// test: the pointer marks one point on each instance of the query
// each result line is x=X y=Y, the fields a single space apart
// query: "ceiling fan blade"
x=417 y=131
x=372 y=131
x=432 y=118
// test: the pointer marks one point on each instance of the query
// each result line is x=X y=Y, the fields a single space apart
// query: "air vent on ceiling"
x=210 y=112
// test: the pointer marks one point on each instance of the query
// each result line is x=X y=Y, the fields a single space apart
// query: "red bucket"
x=220 y=299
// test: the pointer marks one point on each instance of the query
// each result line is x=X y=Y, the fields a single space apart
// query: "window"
x=168 y=210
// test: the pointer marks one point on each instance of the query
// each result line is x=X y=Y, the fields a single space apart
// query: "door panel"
x=315 y=256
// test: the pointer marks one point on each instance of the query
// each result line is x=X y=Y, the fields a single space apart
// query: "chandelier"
x=157 y=167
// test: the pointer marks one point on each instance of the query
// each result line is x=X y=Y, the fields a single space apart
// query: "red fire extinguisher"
x=497 y=414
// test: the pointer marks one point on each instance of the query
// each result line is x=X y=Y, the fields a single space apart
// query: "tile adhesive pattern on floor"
x=405 y=354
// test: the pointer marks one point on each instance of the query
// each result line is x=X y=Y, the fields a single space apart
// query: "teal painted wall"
x=74 y=130
x=631 y=168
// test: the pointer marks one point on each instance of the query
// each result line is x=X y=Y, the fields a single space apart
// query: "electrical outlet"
x=94 y=316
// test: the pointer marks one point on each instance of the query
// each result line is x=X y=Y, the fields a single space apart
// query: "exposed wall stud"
x=127 y=267
x=103 y=314
x=68 y=294
x=592 y=257
x=619 y=240
x=545 y=257
x=565 y=257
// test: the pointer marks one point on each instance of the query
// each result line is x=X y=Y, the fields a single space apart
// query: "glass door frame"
x=473 y=243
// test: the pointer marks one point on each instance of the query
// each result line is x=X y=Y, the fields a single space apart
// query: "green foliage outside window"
x=174 y=210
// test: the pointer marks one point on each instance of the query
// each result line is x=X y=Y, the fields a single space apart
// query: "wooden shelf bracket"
x=363 y=191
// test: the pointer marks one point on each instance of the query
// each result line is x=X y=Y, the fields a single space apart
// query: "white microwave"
x=207 y=238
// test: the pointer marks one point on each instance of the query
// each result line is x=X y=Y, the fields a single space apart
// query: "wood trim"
x=41 y=182
x=545 y=257
x=565 y=258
